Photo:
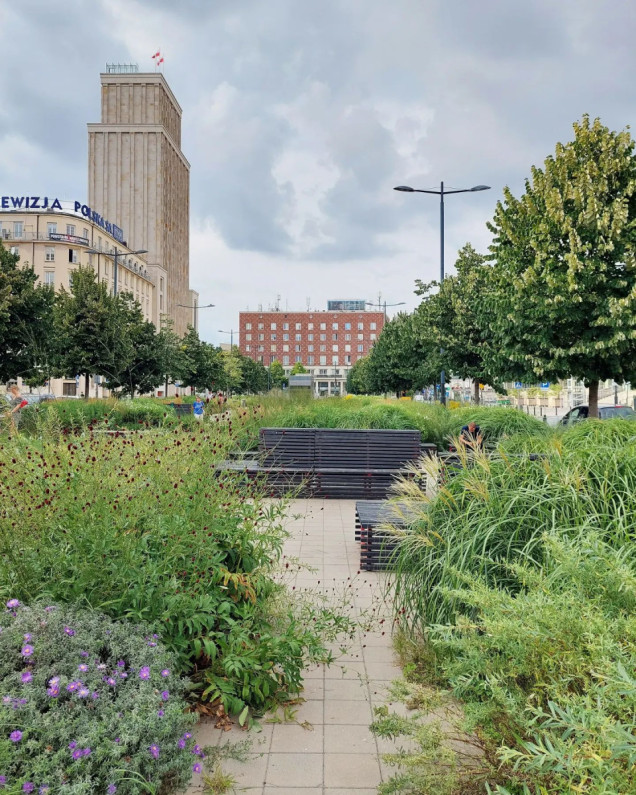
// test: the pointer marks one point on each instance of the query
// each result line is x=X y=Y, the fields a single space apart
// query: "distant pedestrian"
x=198 y=408
x=17 y=403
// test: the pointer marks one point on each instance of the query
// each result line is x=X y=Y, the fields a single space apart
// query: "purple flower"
x=165 y=695
x=117 y=740
x=154 y=751
x=109 y=680
x=144 y=672
x=87 y=752
x=15 y=736
x=121 y=664
x=165 y=673
x=54 y=681
x=187 y=736
x=181 y=744
x=27 y=650
x=83 y=692
x=6 y=699
x=50 y=608
x=196 y=767
x=28 y=786
x=101 y=666
x=77 y=754
x=73 y=686
x=83 y=654
x=53 y=691
x=123 y=675
x=27 y=636
x=12 y=604
x=68 y=631
x=197 y=750
x=82 y=667
x=160 y=713
x=44 y=789
x=3 y=781
x=27 y=676
x=72 y=745
x=151 y=643
x=112 y=789
x=95 y=695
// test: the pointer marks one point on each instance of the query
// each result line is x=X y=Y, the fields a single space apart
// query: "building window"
x=272 y=336
x=272 y=348
x=348 y=336
x=360 y=348
x=310 y=326
x=374 y=336
x=323 y=361
x=69 y=389
x=49 y=278
x=248 y=337
x=323 y=347
x=285 y=326
x=248 y=348
x=261 y=348
x=70 y=229
x=334 y=337
x=272 y=326
x=334 y=361
x=322 y=372
x=18 y=229
x=285 y=348
x=85 y=233
x=310 y=360
x=285 y=336
x=72 y=256
x=297 y=348
x=373 y=326
x=310 y=348
x=298 y=358
x=360 y=336
x=347 y=326
x=310 y=337
x=248 y=326
x=261 y=337
x=299 y=337
x=297 y=326
x=323 y=327
x=347 y=348
x=323 y=337
x=360 y=326
x=334 y=326
x=286 y=361
x=49 y=254
x=51 y=228
x=334 y=348
x=347 y=359
x=260 y=326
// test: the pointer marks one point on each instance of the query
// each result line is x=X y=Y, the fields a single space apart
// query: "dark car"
x=604 y=413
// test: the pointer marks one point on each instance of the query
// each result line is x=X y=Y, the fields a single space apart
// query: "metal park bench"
x=331 y=462
x=377 y=542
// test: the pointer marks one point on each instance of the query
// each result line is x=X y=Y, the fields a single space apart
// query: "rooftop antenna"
x=308 y=299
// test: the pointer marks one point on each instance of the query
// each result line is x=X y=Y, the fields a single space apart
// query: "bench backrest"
x=333 y=448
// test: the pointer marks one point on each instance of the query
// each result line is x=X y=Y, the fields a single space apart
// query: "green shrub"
x=495 y=423
x=86 y=703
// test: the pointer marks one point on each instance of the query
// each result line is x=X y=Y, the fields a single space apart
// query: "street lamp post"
x=380 y=305
x=115 y=255
x=441 y=193
x=231 y=333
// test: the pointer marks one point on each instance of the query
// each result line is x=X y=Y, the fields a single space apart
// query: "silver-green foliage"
x=118 y=720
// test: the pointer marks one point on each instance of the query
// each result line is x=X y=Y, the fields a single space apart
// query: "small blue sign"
x=518 y=385
x=545 y=385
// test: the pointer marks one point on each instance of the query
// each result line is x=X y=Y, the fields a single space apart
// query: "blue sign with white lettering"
x=545 y=385
x=518 y=385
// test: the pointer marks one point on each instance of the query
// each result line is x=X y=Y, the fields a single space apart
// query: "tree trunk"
x=86 y=384
x=476 y=390
x=593 y=402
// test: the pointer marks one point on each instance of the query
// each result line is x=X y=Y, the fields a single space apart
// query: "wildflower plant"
x=75 y=715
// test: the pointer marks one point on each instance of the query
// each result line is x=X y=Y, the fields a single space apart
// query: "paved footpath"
x=327 y=748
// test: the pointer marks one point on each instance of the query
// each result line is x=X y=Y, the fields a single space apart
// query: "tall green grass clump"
x=496 y=509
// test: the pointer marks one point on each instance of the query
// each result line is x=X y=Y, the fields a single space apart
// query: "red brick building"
x=328 y=343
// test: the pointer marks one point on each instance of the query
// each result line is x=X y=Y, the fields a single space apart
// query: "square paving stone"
x=348 y=771
x=348 y=712
x=293 y=738
x=346 y=738
x=295 y=770
x=345 y=690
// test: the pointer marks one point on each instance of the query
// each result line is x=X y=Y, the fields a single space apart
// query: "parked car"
x=604 y=413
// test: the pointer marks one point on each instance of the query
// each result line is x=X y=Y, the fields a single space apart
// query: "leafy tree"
x=141 y=366
x=455 y=319
x=299 y=369
x=254 y=375
x=563 y=287
x=277 y=377
x=90 y=330
x=200 y=365
x=232 y=377
x=26 y=322
x=358 y=378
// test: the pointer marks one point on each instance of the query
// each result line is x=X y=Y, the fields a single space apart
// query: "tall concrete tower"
x=139 y=177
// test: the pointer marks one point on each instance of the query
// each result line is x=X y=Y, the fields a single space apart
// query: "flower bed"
x=89 y=705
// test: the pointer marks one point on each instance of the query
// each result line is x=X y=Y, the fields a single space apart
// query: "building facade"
x=327 y=343
x=138 y=175
x=57 y=242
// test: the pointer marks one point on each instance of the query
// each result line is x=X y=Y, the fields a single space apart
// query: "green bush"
x=495 y=423
x=89 y=706
x=142 y=527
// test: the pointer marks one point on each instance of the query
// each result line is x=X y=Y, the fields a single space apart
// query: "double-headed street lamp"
x=115 y=255
x=441 y=193
x=380 y=305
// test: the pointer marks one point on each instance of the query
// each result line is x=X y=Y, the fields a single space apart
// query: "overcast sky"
x=300 y=116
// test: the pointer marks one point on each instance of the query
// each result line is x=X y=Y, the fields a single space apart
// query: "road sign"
x=545 y=385
x=518 y=385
